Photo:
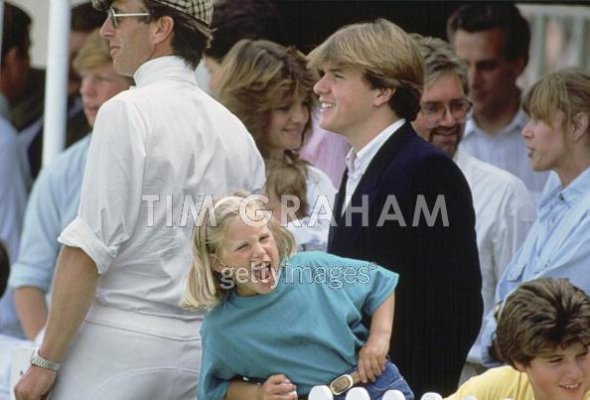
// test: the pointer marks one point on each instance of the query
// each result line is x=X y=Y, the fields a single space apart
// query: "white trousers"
x=120 y=355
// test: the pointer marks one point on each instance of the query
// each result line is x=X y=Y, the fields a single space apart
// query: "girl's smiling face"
x=250 y=255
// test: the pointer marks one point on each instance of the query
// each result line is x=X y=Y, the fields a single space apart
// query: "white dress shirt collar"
x=358 y=162
x=164 y=68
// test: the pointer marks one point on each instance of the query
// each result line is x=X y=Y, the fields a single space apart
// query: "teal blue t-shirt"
x=308 y=328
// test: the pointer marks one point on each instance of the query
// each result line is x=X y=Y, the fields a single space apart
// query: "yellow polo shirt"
x=497 y=384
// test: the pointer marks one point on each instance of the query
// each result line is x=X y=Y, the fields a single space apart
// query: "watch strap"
x=39 y=361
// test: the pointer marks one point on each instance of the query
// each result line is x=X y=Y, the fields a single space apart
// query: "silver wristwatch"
x=39 y=361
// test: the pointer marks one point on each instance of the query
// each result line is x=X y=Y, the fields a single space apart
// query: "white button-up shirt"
x=357 y=163
x=157 y=151
x=504 y=213
x=506 y=150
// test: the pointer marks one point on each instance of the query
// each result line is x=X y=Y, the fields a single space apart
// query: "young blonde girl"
x=280 y=323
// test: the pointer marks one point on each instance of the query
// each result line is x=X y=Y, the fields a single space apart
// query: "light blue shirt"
x=308 y=328
x=558 y=245
x=53 y=204
x=13 y=188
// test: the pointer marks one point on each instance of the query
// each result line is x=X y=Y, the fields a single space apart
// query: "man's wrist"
x=39 y=361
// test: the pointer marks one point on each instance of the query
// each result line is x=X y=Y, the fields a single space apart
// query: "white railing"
x=560 y=38
x=54 y=125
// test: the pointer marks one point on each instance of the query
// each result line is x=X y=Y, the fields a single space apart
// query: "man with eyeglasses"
x=158 y=152
x=504 y=209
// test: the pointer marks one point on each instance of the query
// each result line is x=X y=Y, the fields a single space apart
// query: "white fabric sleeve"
x=112 y=185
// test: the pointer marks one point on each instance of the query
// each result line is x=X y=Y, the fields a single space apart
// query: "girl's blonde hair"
x=203 y=287
x=285 y=177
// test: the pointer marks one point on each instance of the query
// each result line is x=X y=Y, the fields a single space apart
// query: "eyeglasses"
x=114 y=16
x=435 y=111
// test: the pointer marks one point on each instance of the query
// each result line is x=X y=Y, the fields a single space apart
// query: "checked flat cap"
x=199 y=9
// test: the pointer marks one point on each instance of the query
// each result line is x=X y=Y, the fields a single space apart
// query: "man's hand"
x=35 y=384
x=277 y=387
x=372 y=358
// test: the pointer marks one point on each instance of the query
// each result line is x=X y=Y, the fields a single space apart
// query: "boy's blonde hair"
x=387 y=56
x=567 y=90
x=203 y=288
x=94 y=53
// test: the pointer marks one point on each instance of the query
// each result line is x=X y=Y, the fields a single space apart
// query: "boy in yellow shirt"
x=543 y=333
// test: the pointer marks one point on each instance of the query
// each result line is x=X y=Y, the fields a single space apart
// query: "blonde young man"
x=157 y=152
x=504 y=209
x=544 y=334
x=402 y=203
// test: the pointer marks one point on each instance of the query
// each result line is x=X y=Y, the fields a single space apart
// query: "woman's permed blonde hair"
x=259 y=76
x=203 y=287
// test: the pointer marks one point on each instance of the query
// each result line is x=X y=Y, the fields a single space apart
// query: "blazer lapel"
x=370 y=180
x=367 y=187
x=339 y=201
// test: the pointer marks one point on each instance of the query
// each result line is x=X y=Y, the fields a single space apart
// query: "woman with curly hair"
x=270 y=89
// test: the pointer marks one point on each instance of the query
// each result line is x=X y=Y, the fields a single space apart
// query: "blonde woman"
x=558 y=139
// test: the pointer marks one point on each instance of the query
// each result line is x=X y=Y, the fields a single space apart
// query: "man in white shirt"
x=504 y=210
x=494 y=42
x=158 y=153
x=372 y=78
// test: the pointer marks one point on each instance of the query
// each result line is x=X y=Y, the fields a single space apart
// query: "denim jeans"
x=390 y=379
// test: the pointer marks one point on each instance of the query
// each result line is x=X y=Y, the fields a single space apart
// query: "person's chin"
x=324 y=123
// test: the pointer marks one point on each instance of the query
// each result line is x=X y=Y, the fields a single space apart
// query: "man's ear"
x=579 y=126
x=164 y=28
x=383 y=96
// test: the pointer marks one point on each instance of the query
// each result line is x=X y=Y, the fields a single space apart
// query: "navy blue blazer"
x=438 y=307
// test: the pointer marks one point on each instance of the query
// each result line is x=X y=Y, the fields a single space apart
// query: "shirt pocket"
x=515 y=274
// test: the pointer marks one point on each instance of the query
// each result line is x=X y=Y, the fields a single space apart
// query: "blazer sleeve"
x=445 y=252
